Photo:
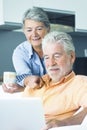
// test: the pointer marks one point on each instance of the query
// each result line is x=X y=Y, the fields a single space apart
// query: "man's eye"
x=46 y=57
x=57 y=56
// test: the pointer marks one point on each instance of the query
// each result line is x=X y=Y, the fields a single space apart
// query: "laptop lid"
x=21 y=114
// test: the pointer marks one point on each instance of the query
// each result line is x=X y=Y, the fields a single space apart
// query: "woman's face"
x=34 y=32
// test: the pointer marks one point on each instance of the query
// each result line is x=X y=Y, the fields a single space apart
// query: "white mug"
x=9 y=77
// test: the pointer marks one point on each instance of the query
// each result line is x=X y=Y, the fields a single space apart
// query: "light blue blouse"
x=27 y=62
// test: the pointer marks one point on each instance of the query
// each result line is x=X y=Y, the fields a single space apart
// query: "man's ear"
x=73 y=57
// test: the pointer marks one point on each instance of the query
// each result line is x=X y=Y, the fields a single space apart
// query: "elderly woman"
x=28 y=56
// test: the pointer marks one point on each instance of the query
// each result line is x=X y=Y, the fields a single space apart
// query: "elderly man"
x=62 y=92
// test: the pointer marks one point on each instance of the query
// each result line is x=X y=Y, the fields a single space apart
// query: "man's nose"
x=52 y=61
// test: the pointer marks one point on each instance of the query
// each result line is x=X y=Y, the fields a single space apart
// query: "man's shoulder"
x=81 y=77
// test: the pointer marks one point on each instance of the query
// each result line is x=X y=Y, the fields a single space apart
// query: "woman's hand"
x=12 y=88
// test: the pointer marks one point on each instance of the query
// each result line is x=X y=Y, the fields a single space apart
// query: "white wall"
x=13 y=9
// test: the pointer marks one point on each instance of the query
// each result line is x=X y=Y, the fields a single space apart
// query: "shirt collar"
x=63 y=80
x=30 y=49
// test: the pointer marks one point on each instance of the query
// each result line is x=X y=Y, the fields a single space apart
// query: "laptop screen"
x=21 y=114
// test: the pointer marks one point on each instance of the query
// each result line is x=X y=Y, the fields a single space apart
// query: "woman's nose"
x=34 y=31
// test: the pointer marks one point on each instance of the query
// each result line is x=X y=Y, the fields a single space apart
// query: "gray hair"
x=37 y=14
x=60 y=38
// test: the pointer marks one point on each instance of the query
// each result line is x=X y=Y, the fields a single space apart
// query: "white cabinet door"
x=11 y=12
x=1 y=12
x=55 y=4
x=81 y=16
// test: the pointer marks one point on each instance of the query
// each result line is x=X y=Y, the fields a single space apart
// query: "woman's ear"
x=48 y=30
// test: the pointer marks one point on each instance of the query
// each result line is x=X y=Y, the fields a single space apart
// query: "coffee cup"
x=9 y=78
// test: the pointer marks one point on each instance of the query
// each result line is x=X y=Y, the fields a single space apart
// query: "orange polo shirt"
x=61 y=99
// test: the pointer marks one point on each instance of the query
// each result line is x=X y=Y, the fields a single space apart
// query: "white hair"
x=59 y=38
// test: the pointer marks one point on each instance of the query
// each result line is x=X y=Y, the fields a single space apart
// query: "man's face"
x=34 y=32
x=58 y=62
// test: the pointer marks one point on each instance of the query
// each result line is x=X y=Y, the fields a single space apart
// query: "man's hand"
x=33 y=81
x=12 y=88
x=74 y=120
x=51 y=124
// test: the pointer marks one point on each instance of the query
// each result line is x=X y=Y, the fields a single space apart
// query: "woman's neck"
x=39 y=51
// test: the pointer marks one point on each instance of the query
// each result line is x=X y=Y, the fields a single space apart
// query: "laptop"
x=21 y=114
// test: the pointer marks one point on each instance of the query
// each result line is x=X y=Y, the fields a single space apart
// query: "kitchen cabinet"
x=58 y=12
x=11 y=13
x=77 y=7
x=65 y=5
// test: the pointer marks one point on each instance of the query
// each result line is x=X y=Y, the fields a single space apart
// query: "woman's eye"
x=40 y=28
x=29 y=30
